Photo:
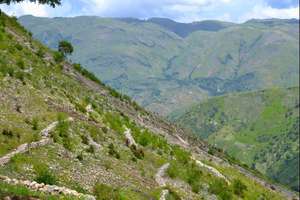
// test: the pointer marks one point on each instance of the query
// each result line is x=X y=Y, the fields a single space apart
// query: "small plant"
x=44 y=175
x=35 y=124
x=112 y=151
x=138 y=153
x=7 y=133
x=19 y=47
x=239 y=187
x=58 y=57
x=20 y=64
x=40 y=53
x=106 y=192
x=220 y=188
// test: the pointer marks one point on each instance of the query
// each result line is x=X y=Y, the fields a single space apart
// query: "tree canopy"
x=52 y=3
x=65 y=47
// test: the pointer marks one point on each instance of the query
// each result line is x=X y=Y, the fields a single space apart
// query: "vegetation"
x=51 y=94
x=260 y=129
x=65 y=48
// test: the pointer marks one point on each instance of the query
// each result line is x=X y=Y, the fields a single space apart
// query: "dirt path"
x=161 y=181
x=50 y=189
x=211 y=169
x=27 y=146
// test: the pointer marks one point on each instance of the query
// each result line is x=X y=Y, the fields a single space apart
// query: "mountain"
x=66 y=135
x=259 y=128
x=165 y=65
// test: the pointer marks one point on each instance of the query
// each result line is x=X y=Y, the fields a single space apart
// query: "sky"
x=178 y=10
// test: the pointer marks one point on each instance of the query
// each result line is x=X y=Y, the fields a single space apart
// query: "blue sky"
x=179 y=10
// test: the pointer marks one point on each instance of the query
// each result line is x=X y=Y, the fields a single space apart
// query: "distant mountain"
x=259 y=128
x=164 y=64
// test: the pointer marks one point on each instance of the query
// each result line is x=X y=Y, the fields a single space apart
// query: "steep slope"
x=261 y=129
x=65 y=135
x=163 y=68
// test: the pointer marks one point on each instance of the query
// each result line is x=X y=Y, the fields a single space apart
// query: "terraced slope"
x=261 y=129
x=100 y=144
x=165 y=65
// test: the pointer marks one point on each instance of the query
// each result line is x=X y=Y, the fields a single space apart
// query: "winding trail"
x=161 y=181
x=40 y=187
x=27 y=146
x=211 y=169
x=50 y=189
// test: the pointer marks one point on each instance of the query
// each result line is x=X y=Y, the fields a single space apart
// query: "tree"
x=65 y=47
x=52 y=3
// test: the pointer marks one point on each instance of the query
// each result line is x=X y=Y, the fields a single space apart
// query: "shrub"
x=220 y=188
x=138 y=153
x=44 y=175
x=239 y=187
x=40 y=53
x=181 y=155
x=105 y=192
x=7 y=133
x=20 y=64
x=86 y=73
x=19 y=47
x=112 y=151
x=58 y=57
x=173 y=171
x=35 y=124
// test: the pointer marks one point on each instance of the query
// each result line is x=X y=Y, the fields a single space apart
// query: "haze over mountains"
x=165 y=65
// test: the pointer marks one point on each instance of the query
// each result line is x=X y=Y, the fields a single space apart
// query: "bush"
x=58 y=57
x=40 y=53
x=44 y=175
x=19 y=47
x=239 y=187
x=105 y=192
x=112 y=151
x=35 y=124
x=173 y=171
x=20 y=64
x=138 y=153
x=220 y=188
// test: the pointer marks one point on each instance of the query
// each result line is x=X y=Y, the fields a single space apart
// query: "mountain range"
x=165 y=65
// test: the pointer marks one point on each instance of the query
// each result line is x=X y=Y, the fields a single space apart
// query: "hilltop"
x=164 y=65
x=260 y=128
x=66 y=135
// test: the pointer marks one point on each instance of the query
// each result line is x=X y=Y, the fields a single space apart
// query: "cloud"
x=263 y=12
x=180 y=10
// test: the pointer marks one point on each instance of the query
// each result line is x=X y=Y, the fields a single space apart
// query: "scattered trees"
x=65 y=47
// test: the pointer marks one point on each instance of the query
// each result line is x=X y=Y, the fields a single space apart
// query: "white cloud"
x=263 y=12
x=26 y=8
x=180 y=10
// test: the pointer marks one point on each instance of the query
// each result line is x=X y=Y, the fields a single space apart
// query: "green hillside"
x=165 y=65
x=261 y=129
x=65 y=135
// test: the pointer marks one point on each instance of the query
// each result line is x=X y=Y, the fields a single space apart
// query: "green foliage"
x=65 y=48
x=137 y=152
x=58 y=57
x=220 y=188
x=86 y=73
x=238 y=187
x=44 y=175
x=106 y=192
x=264 y=120
x=113 y=152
